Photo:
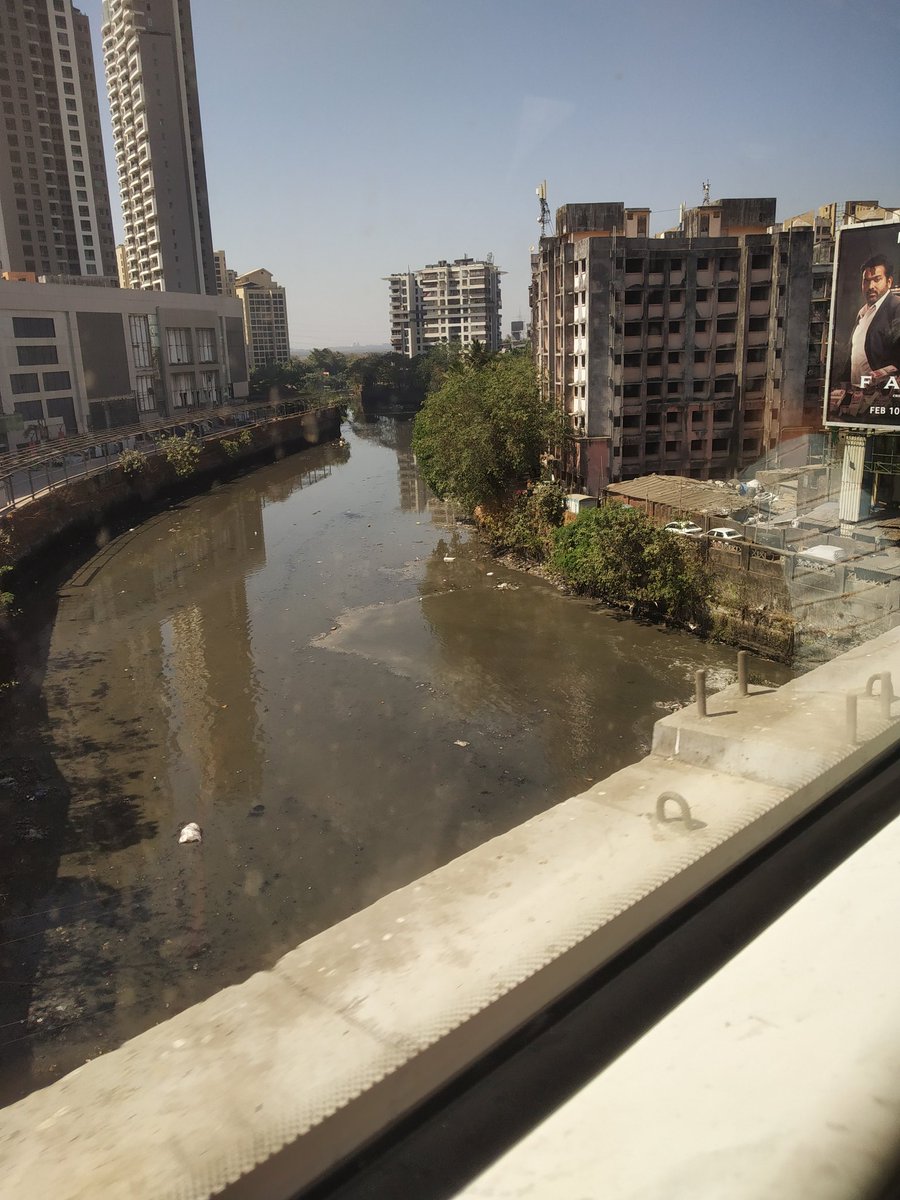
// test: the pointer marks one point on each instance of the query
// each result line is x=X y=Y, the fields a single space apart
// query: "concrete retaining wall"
x=88 y=503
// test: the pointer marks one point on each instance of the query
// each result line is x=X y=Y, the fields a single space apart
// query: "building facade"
x=264 y=308
x=446 y=302
x=75 y=359
x=54 y=202
x=151 y=78
x=680 y=354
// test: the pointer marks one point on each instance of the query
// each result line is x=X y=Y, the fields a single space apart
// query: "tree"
x=617 y=553
x=481 y=434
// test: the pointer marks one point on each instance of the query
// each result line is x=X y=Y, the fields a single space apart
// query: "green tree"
x=482 y=433
x=618 y=554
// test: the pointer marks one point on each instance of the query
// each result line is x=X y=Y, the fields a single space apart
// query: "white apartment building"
x=446 y=302
x=54 y=201
x=265 y=317
x=151 y=78
x=74 y=359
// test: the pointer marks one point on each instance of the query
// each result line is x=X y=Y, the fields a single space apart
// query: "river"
x=323 y=669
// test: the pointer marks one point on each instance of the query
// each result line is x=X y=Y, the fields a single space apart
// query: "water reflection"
x=292 y=662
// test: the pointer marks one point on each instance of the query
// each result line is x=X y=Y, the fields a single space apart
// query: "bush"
x=132 y=463
x=182 y=453
x=619 y=555
x=234 y=445
x=526 y=528
x=6 y=598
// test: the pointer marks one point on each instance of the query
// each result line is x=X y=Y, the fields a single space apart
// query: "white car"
x=686 y=528
x=722 y=533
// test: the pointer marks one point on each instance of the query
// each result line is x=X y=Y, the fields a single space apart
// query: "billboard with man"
x=863 y=380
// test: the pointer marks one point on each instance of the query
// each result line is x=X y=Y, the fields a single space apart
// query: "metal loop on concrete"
x=886 y=691
x=684 y=813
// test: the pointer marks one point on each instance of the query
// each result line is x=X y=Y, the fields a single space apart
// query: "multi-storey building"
x=225 y=277
x=74 y=359
x=446 y=302
x=680 y=354
x=54 y=202
x=825 y=223
x=151 y=77
x=265 y=318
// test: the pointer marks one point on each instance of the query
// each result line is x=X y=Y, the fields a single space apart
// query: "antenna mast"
x=544 y=218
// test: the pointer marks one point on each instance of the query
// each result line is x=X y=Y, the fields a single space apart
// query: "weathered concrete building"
x=684 y=353
x=73 y=359
x=446 y=302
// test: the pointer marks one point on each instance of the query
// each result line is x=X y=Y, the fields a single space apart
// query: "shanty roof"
x=685 y=495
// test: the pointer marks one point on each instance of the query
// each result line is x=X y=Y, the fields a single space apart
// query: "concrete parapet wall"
x=266 y=1086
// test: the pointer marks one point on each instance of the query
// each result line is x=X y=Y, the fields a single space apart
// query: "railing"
x=51 y=465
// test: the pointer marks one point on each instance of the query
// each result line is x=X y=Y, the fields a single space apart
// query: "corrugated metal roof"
x=686 y=495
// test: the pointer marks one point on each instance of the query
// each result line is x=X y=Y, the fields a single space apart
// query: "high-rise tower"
x=148 y=50
x=54 y=202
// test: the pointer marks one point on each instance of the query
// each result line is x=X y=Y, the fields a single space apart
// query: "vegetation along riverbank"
x=482 y=439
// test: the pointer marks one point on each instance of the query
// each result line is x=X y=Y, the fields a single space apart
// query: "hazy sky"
x=346 y=139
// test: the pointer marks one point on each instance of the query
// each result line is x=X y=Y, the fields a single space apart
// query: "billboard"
x=863 y=376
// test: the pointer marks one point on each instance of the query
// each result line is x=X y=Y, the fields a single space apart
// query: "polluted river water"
x=323 y=670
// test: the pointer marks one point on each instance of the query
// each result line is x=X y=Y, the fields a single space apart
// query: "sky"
x=348 y=139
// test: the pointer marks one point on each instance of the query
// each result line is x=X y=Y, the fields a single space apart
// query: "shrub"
x=132 y=463
x=526 y=527
x=619 y=555
x=182 y=453
x=234 y=445
x=6 y=598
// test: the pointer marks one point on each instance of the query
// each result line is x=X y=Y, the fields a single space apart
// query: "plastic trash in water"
x=190 y=833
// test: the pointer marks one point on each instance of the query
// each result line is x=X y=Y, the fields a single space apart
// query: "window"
x=35 y=356
x=719 y=444
x=21 y=384
x=760 y=292
x=34 y=327
x=725 y=356
x=182 y=390
x=57 y=381
x=146 y=400
x=671 y=447
x=179 y=345
x=141 y=348
x=30 y=410
x=206 y=345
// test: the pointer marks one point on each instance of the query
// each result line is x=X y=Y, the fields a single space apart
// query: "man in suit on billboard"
x=874 y=350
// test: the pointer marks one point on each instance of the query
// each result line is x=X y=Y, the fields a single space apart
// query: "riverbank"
x=762 y=629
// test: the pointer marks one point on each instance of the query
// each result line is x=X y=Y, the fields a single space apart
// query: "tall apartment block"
x=54 y=202
x=681 y=354
x=265 y=318
x=148 y=51
x=446 y=302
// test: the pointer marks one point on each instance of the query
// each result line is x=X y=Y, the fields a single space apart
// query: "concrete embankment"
x=87 y=505
x=271 y=1083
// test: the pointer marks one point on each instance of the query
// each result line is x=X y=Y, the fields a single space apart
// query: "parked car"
x=722 y=533
x=686 y=528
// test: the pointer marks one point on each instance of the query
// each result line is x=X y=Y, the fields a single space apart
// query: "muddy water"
x=319 y=666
